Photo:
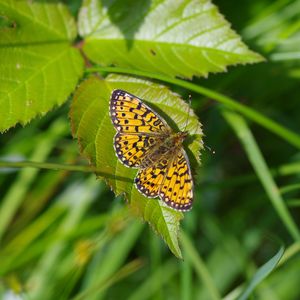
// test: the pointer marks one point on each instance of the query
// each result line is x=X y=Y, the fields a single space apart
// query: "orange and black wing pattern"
x=131 y=116
x=149 y=180
x=171 y=180
x=177 y=188
x=132 y=149
x=139 y=128
x=145 y=141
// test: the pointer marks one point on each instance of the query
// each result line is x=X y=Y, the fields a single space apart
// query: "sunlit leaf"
x=39 y=69
x=92 y=126
x=182 y=38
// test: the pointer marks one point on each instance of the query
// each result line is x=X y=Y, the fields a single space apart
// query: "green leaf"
x=39 y=69
x=183 y=39
x=92 y=126
x=261 y=274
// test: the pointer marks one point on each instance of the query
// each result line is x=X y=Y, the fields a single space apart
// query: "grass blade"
x=200 y=267
x=261 y=274
x=14 y=197
x=256 y=158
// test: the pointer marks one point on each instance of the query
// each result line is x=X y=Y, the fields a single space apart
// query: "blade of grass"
x=241 y=129
x=44 y=276
x=187 y=288
x=290 y=188
x=124 y=272
x=150 y=286
x=106 y=263
x=232 y=295
x=288 y=169
x=243 y=179
x=63 y=167
x=186 y=279
x=289 y=253
x=15 y=250
x=286 y=134
x=200 y=267
x=261 y=274
x=13 y=198
x=156 y=261
x=293 y=202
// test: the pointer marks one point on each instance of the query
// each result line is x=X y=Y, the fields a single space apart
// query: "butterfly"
x=145 y=141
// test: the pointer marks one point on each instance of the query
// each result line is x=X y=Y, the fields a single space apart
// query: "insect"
x=145 y=141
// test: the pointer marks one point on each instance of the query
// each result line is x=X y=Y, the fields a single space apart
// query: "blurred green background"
x=64 y=234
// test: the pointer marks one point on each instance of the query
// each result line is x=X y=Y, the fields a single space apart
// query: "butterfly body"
x=145 y=141
x=169 y=144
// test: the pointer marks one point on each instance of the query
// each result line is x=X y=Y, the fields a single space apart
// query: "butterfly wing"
x=130 y=115
x=131 y=149
x=139 y=128
x=149 y=180
x=170 y=179
x=141 y=131
x=177 y=186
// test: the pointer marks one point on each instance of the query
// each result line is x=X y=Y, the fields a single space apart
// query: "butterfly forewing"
x=130 y=115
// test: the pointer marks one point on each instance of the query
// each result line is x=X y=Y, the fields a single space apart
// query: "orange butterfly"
x=145 y=141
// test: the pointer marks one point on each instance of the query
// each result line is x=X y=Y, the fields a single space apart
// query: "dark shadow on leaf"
x=127 y=15
x=193 y=159
x=7 y=23
x=189 y=140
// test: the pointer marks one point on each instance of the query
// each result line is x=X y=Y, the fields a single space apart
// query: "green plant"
x=45 y=53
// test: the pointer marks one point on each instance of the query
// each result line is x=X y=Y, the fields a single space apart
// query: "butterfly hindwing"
x=171 y=180
x=177 y=187
x=130 y=115
x=149 y=180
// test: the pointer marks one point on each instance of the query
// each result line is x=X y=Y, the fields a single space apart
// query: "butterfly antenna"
x=189 y=110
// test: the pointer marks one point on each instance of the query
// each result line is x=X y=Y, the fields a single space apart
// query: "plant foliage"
x=66 y=235
x=183 y=38
x=91 y=102
x=39 y=68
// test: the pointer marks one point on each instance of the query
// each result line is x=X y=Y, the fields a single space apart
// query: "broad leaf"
x=38 y=67
x=92 y=126
x=176 y=38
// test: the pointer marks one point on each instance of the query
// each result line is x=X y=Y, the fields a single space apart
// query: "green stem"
x=57 y=167
x=251 y=114
x=283 y=170
x=43 y=165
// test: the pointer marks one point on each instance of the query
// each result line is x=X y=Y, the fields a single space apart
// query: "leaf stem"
x=43 y=165
x=283 y=132
x=57 y=167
